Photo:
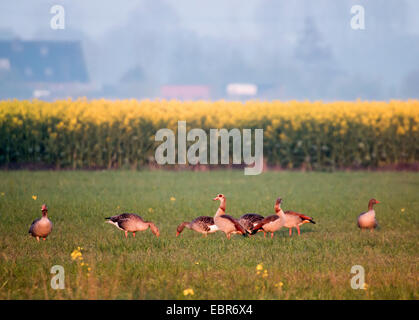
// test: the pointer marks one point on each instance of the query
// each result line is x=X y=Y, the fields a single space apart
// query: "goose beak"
x=216 y=198
x=377 y=201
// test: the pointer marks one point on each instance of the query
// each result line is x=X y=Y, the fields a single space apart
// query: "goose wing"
x=237 y=225
x=263 y=222
x=250 y=220
x=124 y=218
x=266 y=220
x=204 y=222
x=252 y=217
x=33 y=225
x=300 y=215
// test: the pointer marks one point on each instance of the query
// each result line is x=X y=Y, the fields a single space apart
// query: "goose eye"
x=220 y=195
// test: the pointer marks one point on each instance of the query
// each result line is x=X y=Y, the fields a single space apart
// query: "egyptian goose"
x=201 y=224
x=366 y=220
x=41 y=227
x=272 y=223
x=250 y=220
x=289 y=219
x=130 y=222
x=224 y=222
x=294 y=219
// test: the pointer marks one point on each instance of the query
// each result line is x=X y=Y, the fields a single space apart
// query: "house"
x=46 y=68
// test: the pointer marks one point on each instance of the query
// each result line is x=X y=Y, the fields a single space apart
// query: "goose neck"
x=222 y=208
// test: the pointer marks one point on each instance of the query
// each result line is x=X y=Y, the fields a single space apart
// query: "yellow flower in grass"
x=150 y=210
x=76 y=254
x=259 y=268
x=188 y=292
x=2 y=194
x=280 y=284
x=34 y=197
x=402 y=209
x=265 y=274
x=365 y=286
x=172 y=199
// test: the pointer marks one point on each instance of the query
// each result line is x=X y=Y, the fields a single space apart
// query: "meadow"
x=316 y=265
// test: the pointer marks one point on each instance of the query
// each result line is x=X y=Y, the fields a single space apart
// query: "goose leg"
x=298 y=229
x=272 y=235
x=228 y=236
x=44 y=239
x=126 y=234
x=133 y=234
x=290 y=232
x=264 y=234
x=37 y=238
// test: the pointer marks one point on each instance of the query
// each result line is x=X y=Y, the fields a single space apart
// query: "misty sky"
x=299 y=49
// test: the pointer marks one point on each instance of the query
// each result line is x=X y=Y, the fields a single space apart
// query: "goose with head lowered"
x=224 y=222
x=250 y=220
x=366 y=220
x=42 y=227
x=130 y=222
x=202 y=224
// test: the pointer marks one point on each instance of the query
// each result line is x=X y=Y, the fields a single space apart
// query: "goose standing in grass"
x=227 y=223
x=366 y=220
x=130 y=222
x=42 y=227
x=202 y=224
x=250 y=220
x=272 y=223
x=294 y=220
x=288 y=219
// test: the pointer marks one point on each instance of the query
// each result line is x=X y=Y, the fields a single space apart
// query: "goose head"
x=219 y=197
x=372 y=202
x=44 y=209
x=277 y=206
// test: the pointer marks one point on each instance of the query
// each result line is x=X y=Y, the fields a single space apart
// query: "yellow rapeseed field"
x=103 y=133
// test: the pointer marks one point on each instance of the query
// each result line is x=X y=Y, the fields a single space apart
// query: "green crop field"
x=315 y=265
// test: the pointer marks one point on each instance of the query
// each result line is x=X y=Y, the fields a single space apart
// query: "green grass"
x=315 y=265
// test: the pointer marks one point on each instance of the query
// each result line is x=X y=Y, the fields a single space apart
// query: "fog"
x=289 y=49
